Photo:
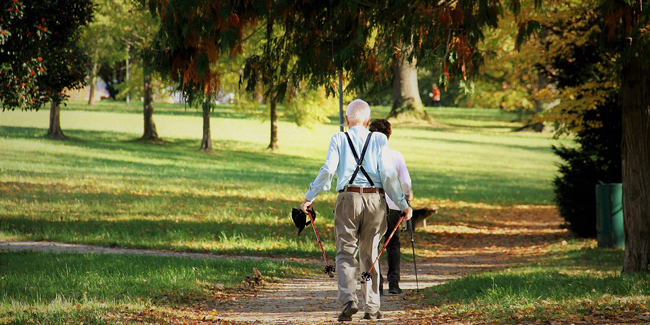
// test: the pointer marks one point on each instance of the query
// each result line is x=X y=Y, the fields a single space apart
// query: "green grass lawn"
x=577 y=283
x=102 y=188
x=49 y=288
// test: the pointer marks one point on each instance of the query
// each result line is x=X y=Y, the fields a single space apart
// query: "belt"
x=362 y=189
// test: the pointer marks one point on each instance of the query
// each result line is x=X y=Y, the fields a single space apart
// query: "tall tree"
x=139 y=31
x=190 y=45
x=40 y=55
x=270 y=81
x=360 y=38
x=406 y=92
x=628 y=36
x=628 y=27
x=372 y=40
x=324 y=38
x=270 y=69
x=585 y=103
x=191 y=38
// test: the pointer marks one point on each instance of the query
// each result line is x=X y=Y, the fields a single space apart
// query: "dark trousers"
x=393 y=247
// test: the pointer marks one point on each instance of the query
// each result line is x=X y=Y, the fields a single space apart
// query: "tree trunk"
x=150 y=133
x=206 y=142
x=273 y=145
x=635 y=88
x=406 y=93
x=542 y=82
x=258 y=94
x=93 y=82
x=55 y=131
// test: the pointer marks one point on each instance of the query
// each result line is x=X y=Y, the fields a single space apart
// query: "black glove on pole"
x=415 y=265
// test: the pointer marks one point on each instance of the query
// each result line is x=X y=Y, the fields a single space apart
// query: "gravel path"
x=55 y=247
x=314 y=300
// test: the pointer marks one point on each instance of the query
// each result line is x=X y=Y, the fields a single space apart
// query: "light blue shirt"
x=377 y=162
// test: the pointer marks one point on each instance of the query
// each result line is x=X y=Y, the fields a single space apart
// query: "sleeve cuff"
x=310 y=197
x=402 y=205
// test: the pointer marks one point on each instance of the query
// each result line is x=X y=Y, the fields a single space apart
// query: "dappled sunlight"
x=497 y=232
x=223 y=222
x=466 y=229
x=101 y=188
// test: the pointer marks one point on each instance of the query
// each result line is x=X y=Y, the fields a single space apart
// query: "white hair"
x=358 y=111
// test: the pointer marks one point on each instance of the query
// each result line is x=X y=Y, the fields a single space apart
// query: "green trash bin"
x=609 y=207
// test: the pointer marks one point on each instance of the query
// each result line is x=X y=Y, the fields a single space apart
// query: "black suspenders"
x=359 y=160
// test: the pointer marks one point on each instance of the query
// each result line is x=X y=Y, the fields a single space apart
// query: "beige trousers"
x=360 y=223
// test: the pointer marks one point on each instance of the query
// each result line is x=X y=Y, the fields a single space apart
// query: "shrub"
x=597 y=159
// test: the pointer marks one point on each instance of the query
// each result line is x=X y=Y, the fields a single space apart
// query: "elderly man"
x=365 y=172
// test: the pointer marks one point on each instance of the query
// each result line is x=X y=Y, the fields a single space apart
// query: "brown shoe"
x=349 y=309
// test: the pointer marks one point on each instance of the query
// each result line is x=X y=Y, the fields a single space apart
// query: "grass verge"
x=52 y=288
x=576 y=283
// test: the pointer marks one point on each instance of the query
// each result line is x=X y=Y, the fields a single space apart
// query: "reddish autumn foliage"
x=318 y=38
x=38 y=51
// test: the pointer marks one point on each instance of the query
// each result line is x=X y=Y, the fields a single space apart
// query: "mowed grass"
x=103 y=188
x=51 y=288
x=575 y=283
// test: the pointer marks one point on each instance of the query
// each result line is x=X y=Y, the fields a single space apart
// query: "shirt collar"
x=358 y=128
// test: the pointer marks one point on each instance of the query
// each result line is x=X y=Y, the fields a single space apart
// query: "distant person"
x=435 y=95
x=360 y=210
x=394 y=213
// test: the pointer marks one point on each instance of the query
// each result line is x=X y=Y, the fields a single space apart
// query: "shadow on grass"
x=218 y=237
x=224 y=224
x=479 y=187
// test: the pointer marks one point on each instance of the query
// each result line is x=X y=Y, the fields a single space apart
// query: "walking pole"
x=365 y=276
x=415 y=265
x=329 y=269
x=341 y=119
